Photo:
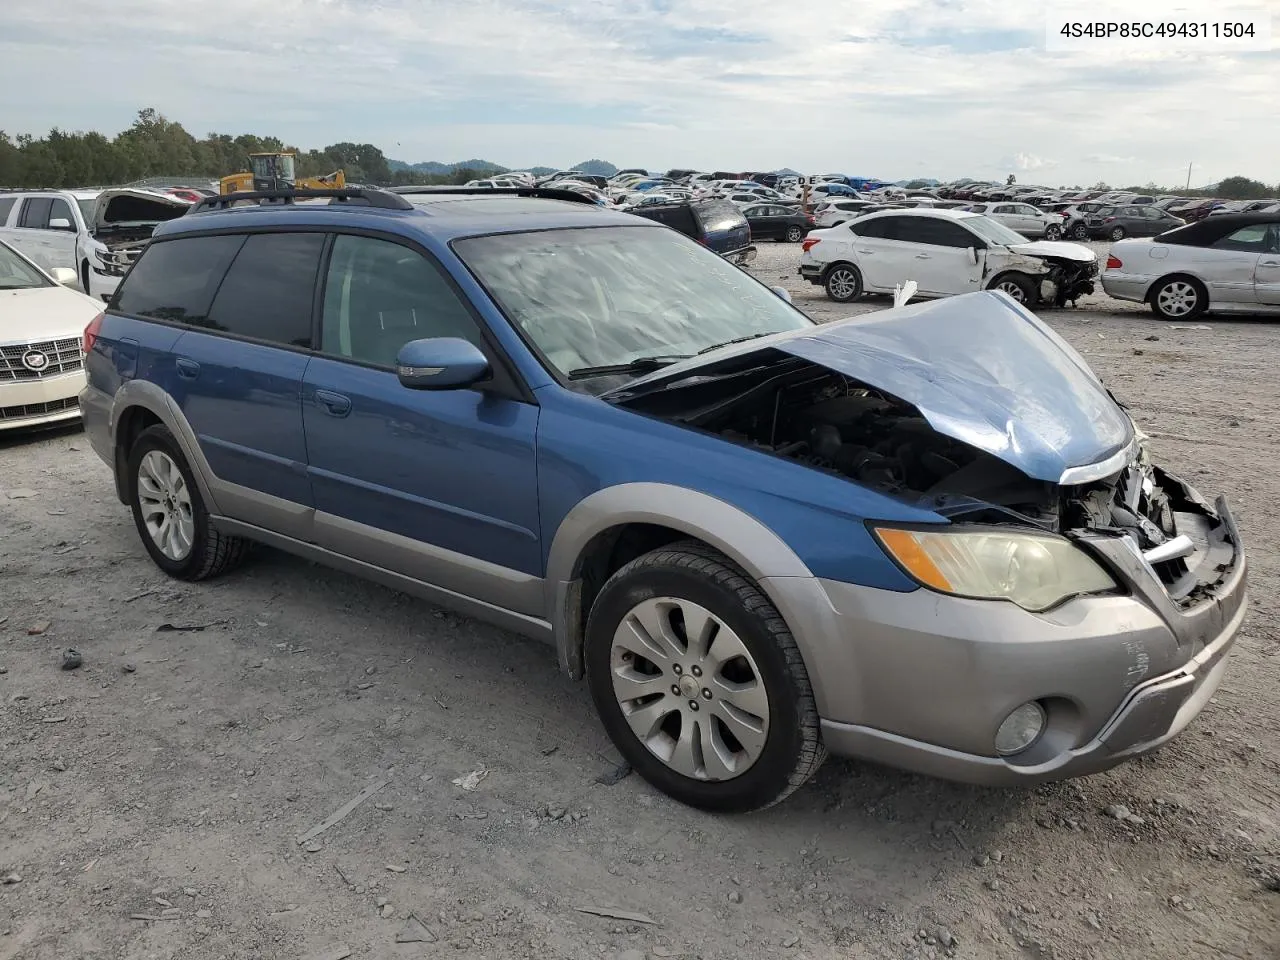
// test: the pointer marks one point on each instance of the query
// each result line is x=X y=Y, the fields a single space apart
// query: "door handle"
x=335 y=404
x=188 y=369
x=922 y=256
x=867 y=252
x=1269 y=263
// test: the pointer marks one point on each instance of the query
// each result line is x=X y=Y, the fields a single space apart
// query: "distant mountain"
x=598 y=168
x=787 y=172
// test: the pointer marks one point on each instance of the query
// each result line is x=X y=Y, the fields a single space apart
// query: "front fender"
x=761 y=553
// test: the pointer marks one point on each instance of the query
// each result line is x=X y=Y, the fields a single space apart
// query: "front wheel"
x=699 y=682
x=843 y=283
x=1018 y=286
x=84 y=277
x=1053 y=231
x=170 y=514
x=1117 y=233
x=794 y=234
x=1079 y=232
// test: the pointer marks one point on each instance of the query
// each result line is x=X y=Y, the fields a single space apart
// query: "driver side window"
x=380 y=295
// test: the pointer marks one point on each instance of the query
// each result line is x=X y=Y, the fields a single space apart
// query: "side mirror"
x=782 y=292
x=60 y=223
x=441 y=363
x=973 y=256
x=66 y=277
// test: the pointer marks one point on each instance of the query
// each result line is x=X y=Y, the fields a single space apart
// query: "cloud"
x=903 y=86
x=1108 y=158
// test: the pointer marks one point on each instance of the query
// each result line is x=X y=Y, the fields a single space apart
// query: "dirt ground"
x=151 y=800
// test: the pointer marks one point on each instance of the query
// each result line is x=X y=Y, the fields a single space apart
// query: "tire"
x=781 y=745
x=843 y=283
x=794 y=234
x=1116 y=234
x=1053 y=232
x=1178 y=298
x=159 y=477
x=1079 y=232
x=84 y=277
x=1017 y=285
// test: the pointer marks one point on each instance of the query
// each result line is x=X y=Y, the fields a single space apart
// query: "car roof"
x=935 y=212
x=443 y=216
x=1207 y=231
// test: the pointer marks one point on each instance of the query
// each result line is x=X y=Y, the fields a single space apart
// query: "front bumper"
x=930 y=677
x=40 y=403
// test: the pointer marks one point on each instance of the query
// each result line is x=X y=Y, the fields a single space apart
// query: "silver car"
x=1226 y=264
x=1023 y=218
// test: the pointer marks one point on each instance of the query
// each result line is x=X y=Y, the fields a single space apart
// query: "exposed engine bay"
x=125 y=219
x=1070 y=279
x=830 y=422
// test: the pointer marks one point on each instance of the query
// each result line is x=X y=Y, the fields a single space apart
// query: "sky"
x=887 y=88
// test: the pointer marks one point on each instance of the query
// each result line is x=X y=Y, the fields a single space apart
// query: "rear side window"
x=35 y=212
x=176 y=279
x=6 y=204
x=269 y=290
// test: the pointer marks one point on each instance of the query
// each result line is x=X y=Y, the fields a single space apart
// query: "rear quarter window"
x=176 y=279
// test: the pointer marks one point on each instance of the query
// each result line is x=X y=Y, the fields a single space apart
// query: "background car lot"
x=197 y=769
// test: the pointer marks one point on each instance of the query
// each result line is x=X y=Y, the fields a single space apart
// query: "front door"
x=440 y=485
x=939 y=256
x=49 y=246
x=1267 y=279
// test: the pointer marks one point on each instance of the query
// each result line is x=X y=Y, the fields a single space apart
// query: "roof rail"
x=544 y=193
x=366 y=196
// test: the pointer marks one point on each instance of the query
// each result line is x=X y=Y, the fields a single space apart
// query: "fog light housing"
x=1020 y=729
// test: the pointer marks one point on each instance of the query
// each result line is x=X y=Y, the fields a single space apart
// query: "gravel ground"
x=150 y=800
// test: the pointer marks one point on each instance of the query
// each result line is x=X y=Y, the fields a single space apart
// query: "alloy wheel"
x=165 y=500
x=689 y=689
x=843 y=283
x=794 y=234
x=1178 y=298
x=1013 y=290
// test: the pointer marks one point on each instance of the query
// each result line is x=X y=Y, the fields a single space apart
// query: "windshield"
x=613 y=295
x=16 y=273
x=993 y=231
x=86 y=209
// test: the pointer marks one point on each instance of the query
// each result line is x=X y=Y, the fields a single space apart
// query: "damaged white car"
x=946 y=252
x=98 y=234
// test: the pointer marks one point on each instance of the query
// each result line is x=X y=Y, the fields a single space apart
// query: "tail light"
x=808 y=244
x=91 y=333
x=1113 y=262
x=811 y=220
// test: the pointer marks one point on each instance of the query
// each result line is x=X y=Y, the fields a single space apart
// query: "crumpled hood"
x=979 y=367
x=132 y=205
x=1056 y=248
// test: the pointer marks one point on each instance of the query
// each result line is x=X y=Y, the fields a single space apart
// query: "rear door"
x=46 y=232
x=245 y=306
x=438 y=485
x=883 y=259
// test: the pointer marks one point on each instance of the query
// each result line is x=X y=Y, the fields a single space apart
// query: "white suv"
x=1023 y=218
x=945 y=252
x=96 y=233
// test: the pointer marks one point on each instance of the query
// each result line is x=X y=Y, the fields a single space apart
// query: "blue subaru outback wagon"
x=929 y=537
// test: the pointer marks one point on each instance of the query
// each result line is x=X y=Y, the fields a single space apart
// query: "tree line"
x=155 y=146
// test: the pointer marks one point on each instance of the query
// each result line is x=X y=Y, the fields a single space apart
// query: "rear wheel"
x=1117 y=233
x=843 y=283
x=1178 y=298
x=170 y=514
x=1079 y=232
x=794 y=234
x=699 y=682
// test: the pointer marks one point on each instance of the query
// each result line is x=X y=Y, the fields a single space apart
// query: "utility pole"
x=1188 y=176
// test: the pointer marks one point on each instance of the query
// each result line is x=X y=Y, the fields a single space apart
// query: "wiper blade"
x=749 y=336
x=638 y=365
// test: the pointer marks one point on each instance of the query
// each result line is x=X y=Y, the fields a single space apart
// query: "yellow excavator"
x=276 y=171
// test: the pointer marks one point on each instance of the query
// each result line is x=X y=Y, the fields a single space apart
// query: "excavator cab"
x=273 y=171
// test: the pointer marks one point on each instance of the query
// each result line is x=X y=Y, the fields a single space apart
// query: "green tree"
x=1242 y=188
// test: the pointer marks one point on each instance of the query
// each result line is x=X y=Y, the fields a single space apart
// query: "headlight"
x=1032 y=570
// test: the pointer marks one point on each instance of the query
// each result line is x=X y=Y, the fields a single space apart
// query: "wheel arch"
x=1177 y=275
x=608 y=528
x=140 y=404
x=1015 y=272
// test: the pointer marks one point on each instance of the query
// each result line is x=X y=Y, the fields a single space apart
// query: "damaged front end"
x=1066 y=281
x=124 y=220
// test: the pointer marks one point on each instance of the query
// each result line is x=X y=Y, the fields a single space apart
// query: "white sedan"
x=42 y=321
x=945 y=252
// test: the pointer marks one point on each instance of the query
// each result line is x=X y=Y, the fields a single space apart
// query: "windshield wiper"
x=749 y=336
x=638 y=365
